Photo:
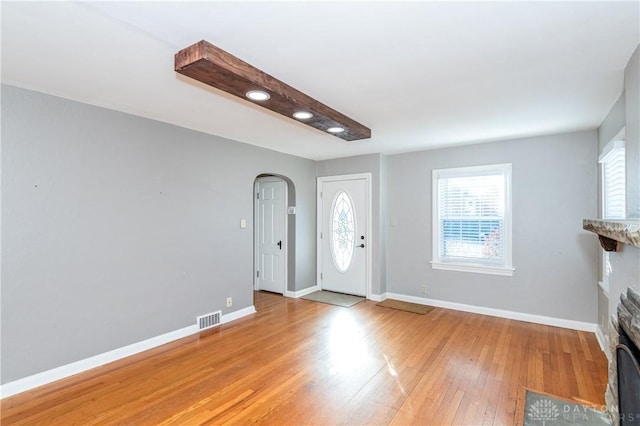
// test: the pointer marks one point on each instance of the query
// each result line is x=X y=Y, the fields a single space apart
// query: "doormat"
x=545 y=410
x=332 y=298
x=416 y=308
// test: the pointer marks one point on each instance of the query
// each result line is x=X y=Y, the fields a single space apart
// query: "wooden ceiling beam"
x=213 y=66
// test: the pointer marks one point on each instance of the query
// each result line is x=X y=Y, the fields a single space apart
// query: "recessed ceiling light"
x=206 y=63
x=257 y=95
x=302 y=115
x=335 y=130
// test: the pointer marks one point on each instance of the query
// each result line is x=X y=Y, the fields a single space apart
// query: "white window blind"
x=472 y=217
x=613 y=181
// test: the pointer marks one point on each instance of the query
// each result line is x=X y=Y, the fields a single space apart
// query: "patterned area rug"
x=545 y=410
x=406 y=306
x=332 y=298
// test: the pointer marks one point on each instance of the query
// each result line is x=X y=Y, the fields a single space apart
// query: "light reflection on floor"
x=349 y=351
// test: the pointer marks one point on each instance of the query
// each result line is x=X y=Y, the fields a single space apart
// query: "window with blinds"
x=613 y=181
x=472 y=219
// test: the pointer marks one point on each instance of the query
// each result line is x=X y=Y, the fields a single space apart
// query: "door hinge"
x=257 y=195
x=321 y=275
x=257 y=274
x=321 y=235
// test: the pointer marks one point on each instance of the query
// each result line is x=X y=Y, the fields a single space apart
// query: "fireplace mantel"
x=613 y=232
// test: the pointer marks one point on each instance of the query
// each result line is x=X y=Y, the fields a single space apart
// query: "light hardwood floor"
x=301 y=362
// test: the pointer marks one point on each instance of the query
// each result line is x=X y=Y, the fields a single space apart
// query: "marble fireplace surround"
x=612 y=234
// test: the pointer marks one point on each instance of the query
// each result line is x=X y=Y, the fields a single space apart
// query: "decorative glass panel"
x=342 y=231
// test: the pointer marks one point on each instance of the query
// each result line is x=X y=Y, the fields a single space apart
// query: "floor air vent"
x=209 y=320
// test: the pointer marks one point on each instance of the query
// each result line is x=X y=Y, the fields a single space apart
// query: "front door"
x=271 y=217
x=344 y=239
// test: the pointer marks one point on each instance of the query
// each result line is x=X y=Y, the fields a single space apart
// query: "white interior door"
x=271 y=235
x=344 y=236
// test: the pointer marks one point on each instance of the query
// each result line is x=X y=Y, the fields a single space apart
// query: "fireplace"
x=622 y=239
x=628 y=359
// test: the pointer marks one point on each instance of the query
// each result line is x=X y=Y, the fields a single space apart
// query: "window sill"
x=478 y=269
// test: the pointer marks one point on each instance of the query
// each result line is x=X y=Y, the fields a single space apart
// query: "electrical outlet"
x=424 y=288
x=229 y=302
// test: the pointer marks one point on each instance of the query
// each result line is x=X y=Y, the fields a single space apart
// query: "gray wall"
x=117 y=228
x=554 y=188
x=609 y=129
x=603 y=312
x=384 y=221
x=625 y=265
x=374 y=164
x=632 y=145
x=612 y=124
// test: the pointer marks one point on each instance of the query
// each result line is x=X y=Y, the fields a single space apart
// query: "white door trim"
x=368 y=264
x=256 y=230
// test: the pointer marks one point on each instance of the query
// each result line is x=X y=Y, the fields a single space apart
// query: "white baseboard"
x=603 y=342
x=300 y=293
x=309 y=290
x=232 y=316
x=378 y=297
x=604 y=287
x=39 y=379
x=537 y=319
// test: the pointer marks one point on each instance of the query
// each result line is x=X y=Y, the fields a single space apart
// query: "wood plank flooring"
x=301 y=362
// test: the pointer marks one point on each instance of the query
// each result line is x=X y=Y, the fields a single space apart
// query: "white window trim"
x=618 y=142
x=505 y=269
x=611 y=146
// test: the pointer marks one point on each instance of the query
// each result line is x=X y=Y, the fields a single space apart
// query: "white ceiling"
x=421 y=75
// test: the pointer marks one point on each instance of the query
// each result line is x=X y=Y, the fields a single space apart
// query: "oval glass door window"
x=342 y=231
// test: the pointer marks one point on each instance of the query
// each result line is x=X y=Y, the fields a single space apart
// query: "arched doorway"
x=274 y=233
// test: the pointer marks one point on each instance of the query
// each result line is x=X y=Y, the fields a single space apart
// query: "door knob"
x=280 y=244
x=361 y=246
